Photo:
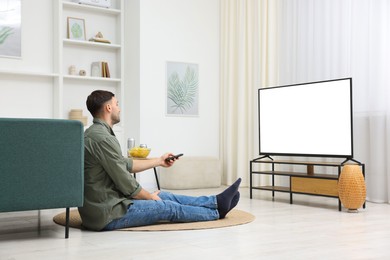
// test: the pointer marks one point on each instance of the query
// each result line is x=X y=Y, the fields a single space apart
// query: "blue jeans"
x=171 y=207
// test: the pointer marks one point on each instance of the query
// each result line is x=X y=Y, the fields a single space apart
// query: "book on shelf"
x=107 y=70
x=100 y=69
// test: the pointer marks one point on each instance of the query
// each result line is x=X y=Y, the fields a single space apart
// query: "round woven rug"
x=235 y=217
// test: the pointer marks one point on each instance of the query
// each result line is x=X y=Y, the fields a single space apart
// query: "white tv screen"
x=310 y=119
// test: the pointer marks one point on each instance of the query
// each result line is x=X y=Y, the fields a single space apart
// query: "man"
x=113 y=199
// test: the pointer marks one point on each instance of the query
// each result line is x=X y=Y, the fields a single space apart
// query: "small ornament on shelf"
x=72 y=70
x=99 y=38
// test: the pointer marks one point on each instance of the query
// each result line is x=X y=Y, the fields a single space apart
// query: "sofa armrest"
x=41 y=164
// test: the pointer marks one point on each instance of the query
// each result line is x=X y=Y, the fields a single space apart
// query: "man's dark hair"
x=96 y=100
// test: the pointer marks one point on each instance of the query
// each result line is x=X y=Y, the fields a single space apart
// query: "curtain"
x=332 y=39
x=267 y=43
x=248 y=61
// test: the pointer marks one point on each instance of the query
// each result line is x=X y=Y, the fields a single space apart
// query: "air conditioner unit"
x=100 y=3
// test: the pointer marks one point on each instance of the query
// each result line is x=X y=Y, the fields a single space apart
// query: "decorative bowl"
x=139 y=152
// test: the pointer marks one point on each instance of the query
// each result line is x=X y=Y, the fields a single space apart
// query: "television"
x=310 y=119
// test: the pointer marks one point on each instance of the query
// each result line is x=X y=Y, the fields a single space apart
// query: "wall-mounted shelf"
x=88 y=78
x=91 y=44
x=91 y=8
x=28 y=73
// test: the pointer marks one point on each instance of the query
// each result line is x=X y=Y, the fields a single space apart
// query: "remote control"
x=171 y=158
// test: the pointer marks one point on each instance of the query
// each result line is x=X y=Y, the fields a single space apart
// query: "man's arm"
x=142 y=165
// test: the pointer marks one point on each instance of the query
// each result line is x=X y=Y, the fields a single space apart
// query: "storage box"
x=314 y=186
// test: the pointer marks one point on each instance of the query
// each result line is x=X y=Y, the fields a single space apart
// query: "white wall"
x=180 y=31
x=30 y=96
x=184 y=31
x=37 y=43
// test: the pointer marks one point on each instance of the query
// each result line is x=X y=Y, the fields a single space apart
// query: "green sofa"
x=41 y=165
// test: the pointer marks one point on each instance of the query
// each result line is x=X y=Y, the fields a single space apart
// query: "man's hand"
x=145 y=195
x=167 y=163
x=155 y=195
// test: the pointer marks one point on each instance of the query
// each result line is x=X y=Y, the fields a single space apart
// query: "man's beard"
x=115 y=119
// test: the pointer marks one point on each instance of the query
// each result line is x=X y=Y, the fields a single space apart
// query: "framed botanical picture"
x=76 y=29
x=10 y=29
x=182 y=89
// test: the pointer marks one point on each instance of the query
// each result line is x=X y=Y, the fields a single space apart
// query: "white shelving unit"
x=71 y=91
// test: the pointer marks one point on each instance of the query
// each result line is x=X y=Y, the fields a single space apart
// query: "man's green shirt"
x=108 y=183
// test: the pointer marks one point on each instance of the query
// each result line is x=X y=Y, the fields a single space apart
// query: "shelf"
x=91 y=44
x=111 y=11
x=297 y=174
x=272 y=188
x=28 y=73
x=75 y=77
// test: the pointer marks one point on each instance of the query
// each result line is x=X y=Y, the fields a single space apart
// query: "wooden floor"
x=312 y=228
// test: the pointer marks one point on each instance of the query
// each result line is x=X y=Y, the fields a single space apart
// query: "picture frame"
x=76 y=28
x=182 y=89
x=10 y=29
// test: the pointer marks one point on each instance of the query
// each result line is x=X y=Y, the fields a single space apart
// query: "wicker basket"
x=352 y=188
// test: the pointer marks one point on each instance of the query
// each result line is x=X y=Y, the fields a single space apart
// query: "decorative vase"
x=352 y=188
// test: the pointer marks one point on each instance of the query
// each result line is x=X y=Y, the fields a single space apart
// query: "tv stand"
x=306 y=181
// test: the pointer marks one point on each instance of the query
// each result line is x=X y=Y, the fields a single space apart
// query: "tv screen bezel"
x=348 y=156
